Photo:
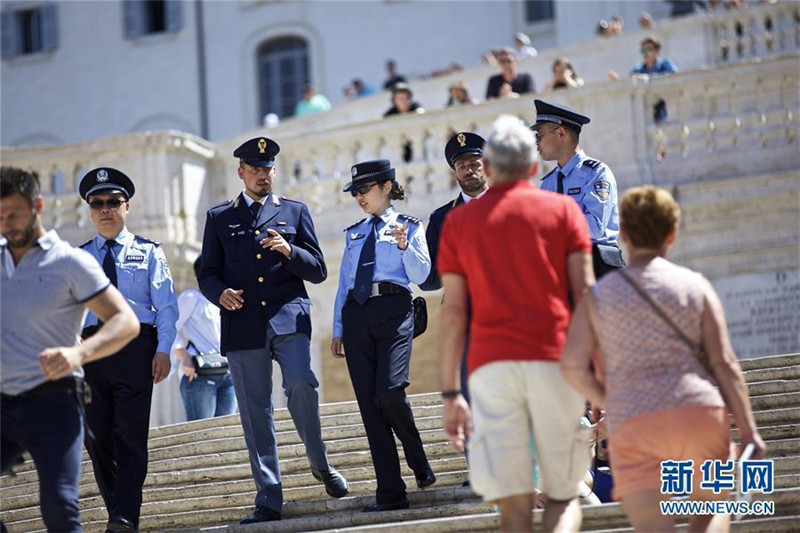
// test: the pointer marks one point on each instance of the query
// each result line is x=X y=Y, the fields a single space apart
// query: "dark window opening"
x=29 y=31
x=155 y=16
x=539 y=10
x=282 y=73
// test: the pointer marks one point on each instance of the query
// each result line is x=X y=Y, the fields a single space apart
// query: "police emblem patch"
x=102 y=175
x=602 y=189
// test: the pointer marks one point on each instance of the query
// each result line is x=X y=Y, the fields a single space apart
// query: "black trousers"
x=118 y=419
x=377 y=342
x=603 y=266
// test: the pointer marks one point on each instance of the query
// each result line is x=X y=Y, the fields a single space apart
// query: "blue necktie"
x=362 y=289
x=109 y=265
x=560 y=189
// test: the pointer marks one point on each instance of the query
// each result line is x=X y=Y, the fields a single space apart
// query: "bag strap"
x=660 y=312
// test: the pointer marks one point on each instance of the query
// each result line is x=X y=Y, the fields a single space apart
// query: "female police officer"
x=373 y=319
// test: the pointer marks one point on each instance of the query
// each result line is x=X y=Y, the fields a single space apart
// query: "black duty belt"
x=382 y=288
x=145 y=330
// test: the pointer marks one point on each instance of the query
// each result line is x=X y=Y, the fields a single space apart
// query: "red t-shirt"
x=512 y=247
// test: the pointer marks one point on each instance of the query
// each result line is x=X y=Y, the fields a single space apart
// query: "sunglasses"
x=364 y=189
x=114 y=203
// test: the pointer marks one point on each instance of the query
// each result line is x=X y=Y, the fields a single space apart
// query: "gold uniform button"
x=263 y=303
x=258 y=232
x=258 y=256
x=261 y=280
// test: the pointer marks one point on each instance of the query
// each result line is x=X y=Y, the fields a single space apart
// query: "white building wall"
x=98 y=83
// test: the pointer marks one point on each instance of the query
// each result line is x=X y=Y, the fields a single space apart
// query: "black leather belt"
x=145 y=330
x=382 y=288
x=69 y=383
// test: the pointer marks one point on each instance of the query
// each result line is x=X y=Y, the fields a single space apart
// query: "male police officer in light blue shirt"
x=122 y=385
x=588 y=181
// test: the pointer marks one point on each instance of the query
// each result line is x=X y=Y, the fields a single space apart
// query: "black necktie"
x=560 y=189
x=109 y=265
x=362 y=289
x=255 y=207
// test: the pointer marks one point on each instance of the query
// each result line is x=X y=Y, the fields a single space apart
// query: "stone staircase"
x=199 y=474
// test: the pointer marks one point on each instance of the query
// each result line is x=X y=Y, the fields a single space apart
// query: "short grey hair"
x=511 y=146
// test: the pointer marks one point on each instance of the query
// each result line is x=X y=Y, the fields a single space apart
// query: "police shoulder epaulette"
x=221 y=204
x=354 y=225
x=87 y=243
x=139 y=238
x=290 y=200
x=409 y=218
x=592 y=163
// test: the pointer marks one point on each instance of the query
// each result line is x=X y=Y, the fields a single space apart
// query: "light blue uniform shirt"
x=392 y=264
x=43 y=302
x=144 y=279
x=590 y=183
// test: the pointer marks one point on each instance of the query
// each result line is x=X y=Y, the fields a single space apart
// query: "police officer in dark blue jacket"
x=258 y=250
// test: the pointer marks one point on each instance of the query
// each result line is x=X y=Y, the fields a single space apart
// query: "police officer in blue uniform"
x=258 y=251
x=373 y=326
x=118 y=417
x=589 y=181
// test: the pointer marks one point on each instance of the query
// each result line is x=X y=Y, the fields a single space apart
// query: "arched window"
x=282 y=73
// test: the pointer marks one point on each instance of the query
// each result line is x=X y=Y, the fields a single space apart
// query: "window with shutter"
x=149 y=17
x=29 y=30
x=282 y=74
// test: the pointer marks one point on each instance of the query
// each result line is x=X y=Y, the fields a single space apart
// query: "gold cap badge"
x=262 y=146
x=462 y=140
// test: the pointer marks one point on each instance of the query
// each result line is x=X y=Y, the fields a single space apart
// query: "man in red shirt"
x=517 y=254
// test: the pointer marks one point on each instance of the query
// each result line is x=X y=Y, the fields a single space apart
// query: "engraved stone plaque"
x=763 y=312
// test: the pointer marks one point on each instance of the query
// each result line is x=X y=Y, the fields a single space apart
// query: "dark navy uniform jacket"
x=273 y=285
x=432 y=235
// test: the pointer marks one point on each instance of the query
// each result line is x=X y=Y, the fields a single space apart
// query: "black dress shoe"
x=335 y=484
x=466 y=484
x=262 y=514
x=386 y=506
x=426 y=478
x=119 y=524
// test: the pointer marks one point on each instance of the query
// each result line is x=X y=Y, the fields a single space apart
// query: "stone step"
x=607 y=517
x=770 y=361
x=764 y=388
x=774 y=373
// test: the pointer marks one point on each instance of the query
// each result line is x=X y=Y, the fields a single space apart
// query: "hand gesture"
x=457 y=422
x=276 y=243
x=231 y=299
x=400 y=234
x=161 y=367
x=56 y=363
x=337 y=348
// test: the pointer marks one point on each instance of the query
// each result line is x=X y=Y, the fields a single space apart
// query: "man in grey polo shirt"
x=45 y=284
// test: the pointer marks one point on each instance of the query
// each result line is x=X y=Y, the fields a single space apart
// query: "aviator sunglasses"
x=364 y=189
x=114 y=203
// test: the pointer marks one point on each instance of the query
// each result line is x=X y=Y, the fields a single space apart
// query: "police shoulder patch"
x=354 y=225
x=403 y=216
x=602 y=189
x=139 y=238
x=591 y=163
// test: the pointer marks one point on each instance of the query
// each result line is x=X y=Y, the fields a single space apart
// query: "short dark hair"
x=14 y=180
x=652 y=40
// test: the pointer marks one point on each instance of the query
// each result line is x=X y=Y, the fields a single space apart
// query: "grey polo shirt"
x=42 y=306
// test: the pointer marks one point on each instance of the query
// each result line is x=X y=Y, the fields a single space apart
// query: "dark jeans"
x=50 y=427
x=208 y=396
